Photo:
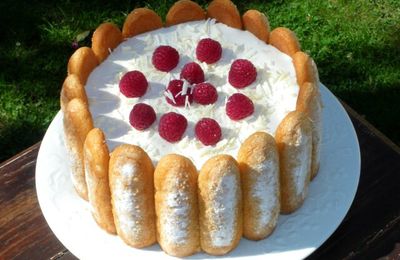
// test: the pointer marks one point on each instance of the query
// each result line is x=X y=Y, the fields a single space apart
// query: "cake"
x=213 y=122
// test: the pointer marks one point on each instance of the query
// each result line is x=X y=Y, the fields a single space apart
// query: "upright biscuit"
x=77 y=124
x=140 y=20
x=132 y=193
x=225 y=11
x=304 y=68
x=96 y=158
x=82 y=62
x=105 y=38
x=259 y=168
x=184 y=11
x=220 y=205
x=175 y=181
x=309 y=102
x=72 y=88
x=284 y=40
x=256 y=23
x=294 y=140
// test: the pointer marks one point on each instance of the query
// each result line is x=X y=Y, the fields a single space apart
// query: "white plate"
x=296 y=236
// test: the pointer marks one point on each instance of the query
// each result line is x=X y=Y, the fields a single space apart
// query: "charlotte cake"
x=263 y=92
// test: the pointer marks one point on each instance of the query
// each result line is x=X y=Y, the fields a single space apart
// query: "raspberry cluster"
x=191 y=87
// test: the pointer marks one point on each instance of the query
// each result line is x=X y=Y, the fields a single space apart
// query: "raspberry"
x=133 y=84
x=242 y=73
x=176 y=95
x=172 y=126
x=239 y=106
x=142 y=116
x=193 y=73
x=205 y=93
x=208 y=51
x=208 y=131
x=165 y=58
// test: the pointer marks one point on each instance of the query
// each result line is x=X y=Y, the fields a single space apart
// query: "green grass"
x=355 y=45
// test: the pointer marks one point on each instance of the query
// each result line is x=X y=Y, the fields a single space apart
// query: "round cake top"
x=273 y=93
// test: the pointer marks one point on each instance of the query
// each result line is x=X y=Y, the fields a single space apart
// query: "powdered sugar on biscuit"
x=223 y=208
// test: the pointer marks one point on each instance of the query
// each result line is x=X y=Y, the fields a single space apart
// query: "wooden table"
x=370 y=230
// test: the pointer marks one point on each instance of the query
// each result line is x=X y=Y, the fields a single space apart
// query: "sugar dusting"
x=126 y=203
x=223 y=209
x=175 y=218
x=303 y=160
x=264 y=192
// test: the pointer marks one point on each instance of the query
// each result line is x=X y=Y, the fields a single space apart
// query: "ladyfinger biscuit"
x=132 y=195
x=220 y=205
x=256 y=23
x=225 y=11
x=303 y=67
x=82 y=62
x=77 y=124
x=96 y=158
x=72 y=88
x=140 y=20
x=259 y=168
x=284 y=40
x=309 y=102
x=315 y=70
x=294 y=140
x=175 y=181
x=184 y=11
x=105 y=38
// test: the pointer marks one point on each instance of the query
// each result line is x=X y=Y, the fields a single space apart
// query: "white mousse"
x=274 y=92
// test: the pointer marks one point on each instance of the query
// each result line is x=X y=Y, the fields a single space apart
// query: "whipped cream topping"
x=274 y=92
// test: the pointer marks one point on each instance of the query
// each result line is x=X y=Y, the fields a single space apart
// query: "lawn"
x=356 y=45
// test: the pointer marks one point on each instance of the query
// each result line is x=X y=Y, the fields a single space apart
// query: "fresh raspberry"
x=176 y=95
x=208 y=131
x=205 y=94
x=242 y=73
x=165 y=58
x=133 y=84
x=172 y=126
x=239 y=106
x=208 y=51
x=142 y=116
x=193 y=73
